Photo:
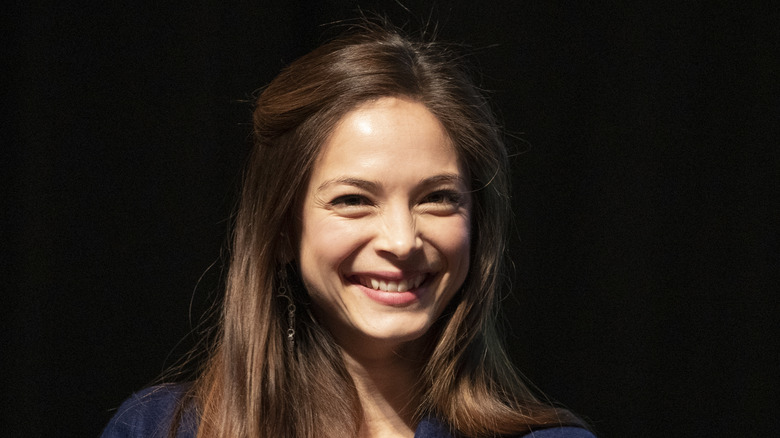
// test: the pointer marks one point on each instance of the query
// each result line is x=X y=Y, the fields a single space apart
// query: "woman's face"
x=385 y=230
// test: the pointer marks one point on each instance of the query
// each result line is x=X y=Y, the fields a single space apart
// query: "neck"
x=387 y=384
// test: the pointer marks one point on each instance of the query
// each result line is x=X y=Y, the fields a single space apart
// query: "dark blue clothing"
x=148 y=414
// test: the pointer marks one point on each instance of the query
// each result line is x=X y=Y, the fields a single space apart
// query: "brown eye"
x=445 y=197
x=350 y=201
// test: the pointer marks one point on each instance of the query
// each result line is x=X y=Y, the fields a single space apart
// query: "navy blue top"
x=148 y=414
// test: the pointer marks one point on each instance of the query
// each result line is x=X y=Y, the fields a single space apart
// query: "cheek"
x=325 y=245
x=461 y=252
x=453 y=239
x=323 y=250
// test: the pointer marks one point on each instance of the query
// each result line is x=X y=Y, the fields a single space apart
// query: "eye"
x=442 y=202
x=351 y=206
x=443 y=197
x=350 y=201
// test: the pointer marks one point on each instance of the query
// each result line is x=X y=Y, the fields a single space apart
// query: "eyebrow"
x=357 y=182
x=444 y=178
x=371 y=186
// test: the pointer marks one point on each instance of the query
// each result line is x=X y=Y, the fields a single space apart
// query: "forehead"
x=389 y=129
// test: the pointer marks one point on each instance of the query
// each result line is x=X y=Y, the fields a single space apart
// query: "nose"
x=398 y=234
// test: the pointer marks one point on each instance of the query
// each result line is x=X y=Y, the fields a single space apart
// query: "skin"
x=387 y=207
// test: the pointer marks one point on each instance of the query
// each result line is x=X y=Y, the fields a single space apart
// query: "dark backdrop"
x=646 y=169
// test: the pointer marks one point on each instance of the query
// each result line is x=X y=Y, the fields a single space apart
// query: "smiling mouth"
x=404 y=285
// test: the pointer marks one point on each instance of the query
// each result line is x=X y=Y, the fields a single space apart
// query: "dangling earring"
x=284 y=292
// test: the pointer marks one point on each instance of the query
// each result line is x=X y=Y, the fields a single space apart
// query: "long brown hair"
x=253 y=384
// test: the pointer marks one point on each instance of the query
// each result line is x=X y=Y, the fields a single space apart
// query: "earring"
x=284 y=292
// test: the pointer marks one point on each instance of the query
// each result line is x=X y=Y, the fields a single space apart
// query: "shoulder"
x=431 y=427
x=147 y=413
x=560 y=432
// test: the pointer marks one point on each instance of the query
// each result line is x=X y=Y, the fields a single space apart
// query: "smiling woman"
x=364 y=280
x=384 y=241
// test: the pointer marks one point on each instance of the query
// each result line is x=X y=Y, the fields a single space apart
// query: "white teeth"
x=393 y=286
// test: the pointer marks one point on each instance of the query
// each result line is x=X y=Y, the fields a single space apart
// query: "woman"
x=366 y=263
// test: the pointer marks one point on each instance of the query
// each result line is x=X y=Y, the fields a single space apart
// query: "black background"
x=645 y=176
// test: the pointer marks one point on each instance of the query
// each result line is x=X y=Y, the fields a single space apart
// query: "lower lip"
x=392 y=298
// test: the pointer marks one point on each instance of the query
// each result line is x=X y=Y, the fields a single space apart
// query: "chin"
x=398 y=331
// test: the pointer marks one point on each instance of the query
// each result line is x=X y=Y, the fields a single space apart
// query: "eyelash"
x=343 y=201
x=447 y=197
